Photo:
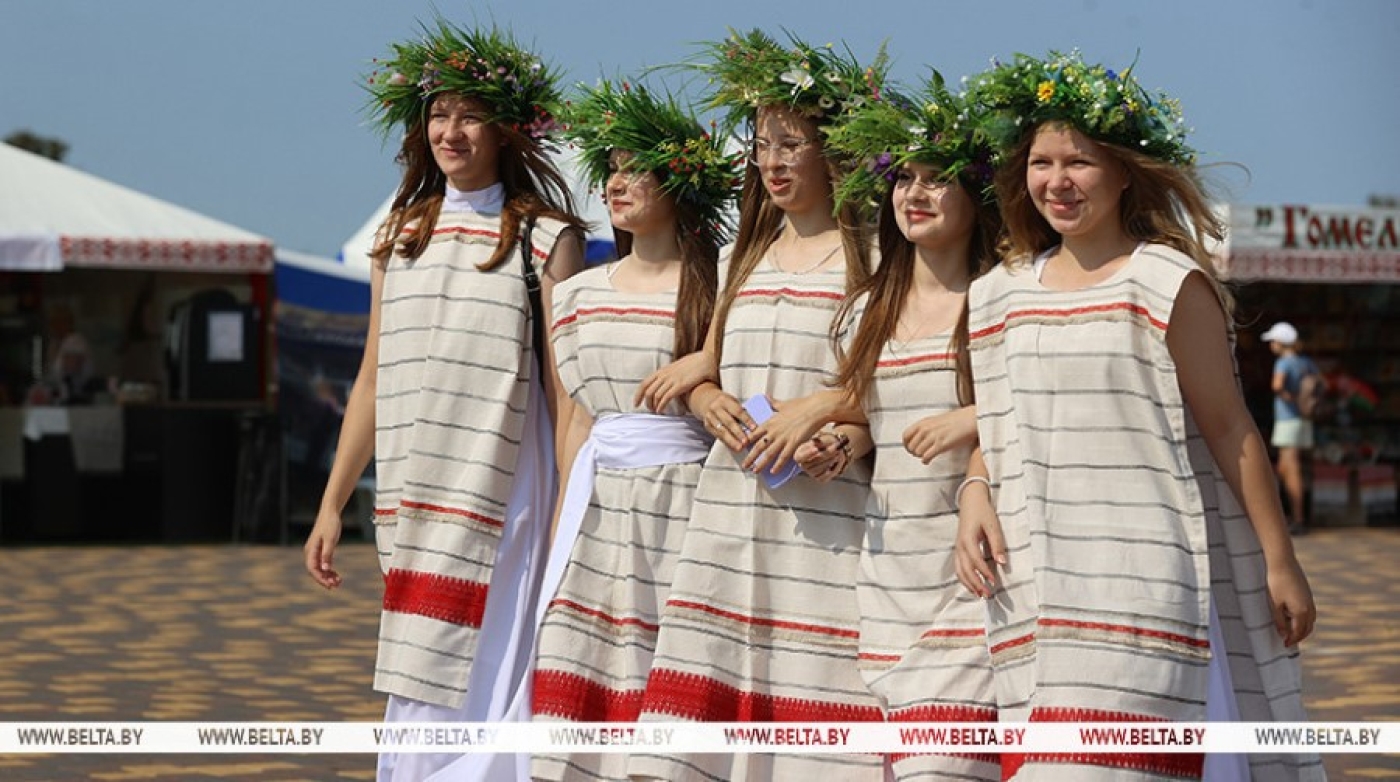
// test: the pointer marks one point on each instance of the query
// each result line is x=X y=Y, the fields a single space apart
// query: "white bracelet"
x=968 y=481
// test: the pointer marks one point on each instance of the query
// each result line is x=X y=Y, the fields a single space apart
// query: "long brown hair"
x=533 y=188
x=695 y=299
x=888 y=289
x=759 y=221
x=1164 y=203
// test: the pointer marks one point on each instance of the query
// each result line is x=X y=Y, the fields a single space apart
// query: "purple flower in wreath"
x=881 y=164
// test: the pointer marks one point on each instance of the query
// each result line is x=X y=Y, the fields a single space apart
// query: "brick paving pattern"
x=220 y=633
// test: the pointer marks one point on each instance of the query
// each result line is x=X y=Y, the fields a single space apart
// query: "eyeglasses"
x=787 y=150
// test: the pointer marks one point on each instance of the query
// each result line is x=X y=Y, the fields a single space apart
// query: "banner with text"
x=782 y=738
x=1308 y=243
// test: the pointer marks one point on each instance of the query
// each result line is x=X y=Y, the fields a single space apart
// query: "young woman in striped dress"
x=1137 y=563
x=761 y=623
x=624 y=508
x=923 y=644
x=448 y=398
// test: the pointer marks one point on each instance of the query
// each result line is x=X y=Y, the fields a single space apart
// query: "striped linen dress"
x=761 y=624
x=599 y=634
x=923 y=641
x=455 y=367
x=1120 y=527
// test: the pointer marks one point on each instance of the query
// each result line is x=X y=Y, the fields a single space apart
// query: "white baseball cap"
x=1282 y=333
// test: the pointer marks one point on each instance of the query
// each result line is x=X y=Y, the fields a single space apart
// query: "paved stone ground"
x=218 y=633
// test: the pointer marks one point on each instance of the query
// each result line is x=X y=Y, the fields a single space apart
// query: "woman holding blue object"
x=923 y=643
x=625 y=506
x=761 y=623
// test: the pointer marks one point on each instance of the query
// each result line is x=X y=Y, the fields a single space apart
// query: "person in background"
x=70 y=377
x=1293 y=433
x=450 y=399
x=1145 y=571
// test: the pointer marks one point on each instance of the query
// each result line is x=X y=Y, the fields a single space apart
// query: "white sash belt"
x=620 y=441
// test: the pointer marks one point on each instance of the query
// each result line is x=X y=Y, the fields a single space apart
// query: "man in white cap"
x=1293 y=432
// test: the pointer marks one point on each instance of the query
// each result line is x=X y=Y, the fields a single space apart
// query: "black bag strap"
x=532 y=288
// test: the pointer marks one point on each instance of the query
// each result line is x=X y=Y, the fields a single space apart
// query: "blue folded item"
x=760 y=410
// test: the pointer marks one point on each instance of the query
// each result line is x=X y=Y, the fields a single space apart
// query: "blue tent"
x=321 y=283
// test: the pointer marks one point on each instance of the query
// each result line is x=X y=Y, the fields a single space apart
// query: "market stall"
x=135 y=355
x=1334 y=273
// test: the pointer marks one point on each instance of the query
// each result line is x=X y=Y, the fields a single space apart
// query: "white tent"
x=52 y=216
x=355 y=251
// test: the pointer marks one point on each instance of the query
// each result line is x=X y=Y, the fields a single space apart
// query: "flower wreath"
x=664 y=139
x=484 y=64
x=752 y=69
x=1106 y=105
x=933 y=127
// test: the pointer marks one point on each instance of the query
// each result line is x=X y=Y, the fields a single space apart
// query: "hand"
x=822 y=457
x=928 y=437
x=980 y=542
x=674 y=381
x=1291 y=599
x=319 y=551
x=725 y=418
x=775 y=441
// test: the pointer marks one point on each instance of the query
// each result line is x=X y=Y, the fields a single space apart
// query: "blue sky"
x=250 y=111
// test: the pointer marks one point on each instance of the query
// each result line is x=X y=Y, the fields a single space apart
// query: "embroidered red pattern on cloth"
x=435 y=596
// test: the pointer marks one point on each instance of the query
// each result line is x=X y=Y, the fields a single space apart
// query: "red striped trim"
x=944 y=713
x=1047 y=312
x=1186 y=640
x=805 y=627
x=579 y=608
x=970 y=632
x=904 y=362
x=789 y=292
x=435 y=596
x=701 y=699
x=1014 y=642
x=489 y=234
x=457 y=229
x=584 y=312
x=487 y=520
x=572 y=697
x=1179 y=764
x=1115 y=306
x=987 y=332
x=880 y=658
x=386 y=511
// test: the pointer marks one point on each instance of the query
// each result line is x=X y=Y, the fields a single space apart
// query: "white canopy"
x=53 y=216
x=355 y=251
